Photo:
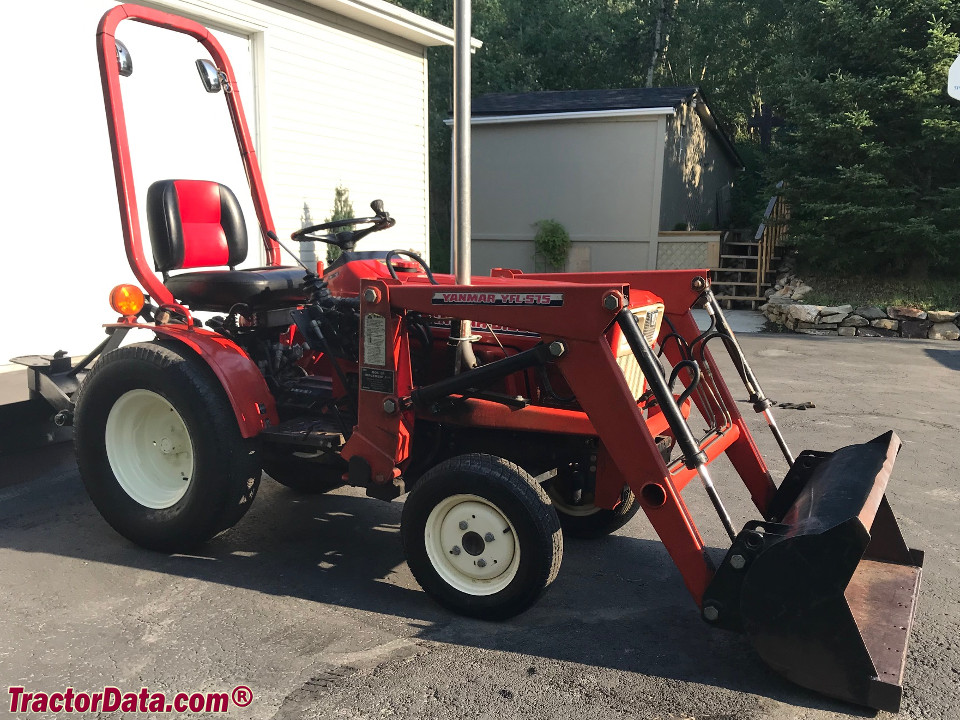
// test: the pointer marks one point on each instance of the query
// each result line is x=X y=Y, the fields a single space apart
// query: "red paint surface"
x=204 y=241
x=242 y=381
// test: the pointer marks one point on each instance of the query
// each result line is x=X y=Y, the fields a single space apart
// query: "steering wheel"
x=348 y=239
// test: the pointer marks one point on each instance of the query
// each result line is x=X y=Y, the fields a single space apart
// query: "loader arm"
x=816 y=582
x=682 y=290
x=574 y=314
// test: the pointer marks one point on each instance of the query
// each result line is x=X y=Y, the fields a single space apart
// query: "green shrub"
x=552 y=241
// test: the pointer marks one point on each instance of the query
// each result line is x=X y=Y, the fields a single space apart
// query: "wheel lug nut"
x=481 y=563
x=463 y=524
x=455 y=550
x=489 y=537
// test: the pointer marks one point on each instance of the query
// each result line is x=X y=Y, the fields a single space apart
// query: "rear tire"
x=304 y=475
x=588 y=521
x=159 y=449
x=481 y=537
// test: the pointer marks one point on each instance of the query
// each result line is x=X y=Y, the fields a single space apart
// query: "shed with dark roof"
x=640 y=177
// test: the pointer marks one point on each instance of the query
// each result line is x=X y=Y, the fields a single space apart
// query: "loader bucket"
x=826 y=591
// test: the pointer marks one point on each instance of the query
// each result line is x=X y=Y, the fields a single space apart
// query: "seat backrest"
x=195 y=223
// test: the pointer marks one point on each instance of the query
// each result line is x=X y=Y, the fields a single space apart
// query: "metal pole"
x=461 y=166
x=461 y=141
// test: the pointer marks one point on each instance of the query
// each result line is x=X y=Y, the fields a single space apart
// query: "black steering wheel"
x=346 y=240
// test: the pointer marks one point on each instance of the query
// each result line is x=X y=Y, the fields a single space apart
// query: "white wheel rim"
x=149 y=449
x=563 y=507
x=472 y=545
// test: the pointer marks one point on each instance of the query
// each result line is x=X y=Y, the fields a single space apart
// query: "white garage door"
x=62 y=243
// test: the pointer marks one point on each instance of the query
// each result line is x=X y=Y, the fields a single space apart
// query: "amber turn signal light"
x=127 y=300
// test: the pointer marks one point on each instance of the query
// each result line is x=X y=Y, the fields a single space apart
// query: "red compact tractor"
x=564 y=409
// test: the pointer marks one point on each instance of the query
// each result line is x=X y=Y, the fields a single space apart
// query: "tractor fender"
x=241 y=379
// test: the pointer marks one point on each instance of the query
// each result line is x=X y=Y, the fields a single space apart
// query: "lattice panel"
x=679 y=256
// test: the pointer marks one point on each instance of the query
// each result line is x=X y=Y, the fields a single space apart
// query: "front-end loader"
x=573 y=409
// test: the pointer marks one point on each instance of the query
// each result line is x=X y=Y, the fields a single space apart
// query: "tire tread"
x=505 y=475
x=178 y=365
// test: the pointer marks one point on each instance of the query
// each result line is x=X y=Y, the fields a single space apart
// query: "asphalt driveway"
x=308 y=601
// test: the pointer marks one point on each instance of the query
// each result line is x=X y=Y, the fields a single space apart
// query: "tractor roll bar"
x=119 y=143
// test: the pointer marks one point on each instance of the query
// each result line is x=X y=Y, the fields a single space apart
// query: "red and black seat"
x=198 y=223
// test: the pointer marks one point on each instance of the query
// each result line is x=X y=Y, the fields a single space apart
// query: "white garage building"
x=335 y=92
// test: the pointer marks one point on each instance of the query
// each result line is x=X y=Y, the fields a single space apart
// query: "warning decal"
x=481 y=298
x=374 y=339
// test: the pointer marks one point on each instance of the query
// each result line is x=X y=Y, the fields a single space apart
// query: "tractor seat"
x=197 y=223
x=258 y=288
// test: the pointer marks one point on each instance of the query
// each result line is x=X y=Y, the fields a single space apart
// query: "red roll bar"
x=113 y=103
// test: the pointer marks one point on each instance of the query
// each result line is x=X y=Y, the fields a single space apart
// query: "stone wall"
x=785 y=307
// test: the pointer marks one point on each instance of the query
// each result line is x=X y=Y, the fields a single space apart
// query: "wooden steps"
x=735 y=283
x=747 y=258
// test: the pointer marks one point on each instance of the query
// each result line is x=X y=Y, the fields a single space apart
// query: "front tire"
x=481 y=537
x=159 y=449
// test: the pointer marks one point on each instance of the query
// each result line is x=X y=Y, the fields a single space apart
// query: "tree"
x=556 y=45
x=727 y=48
x=342 y=210
x=872 y=140
x=661 y=36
